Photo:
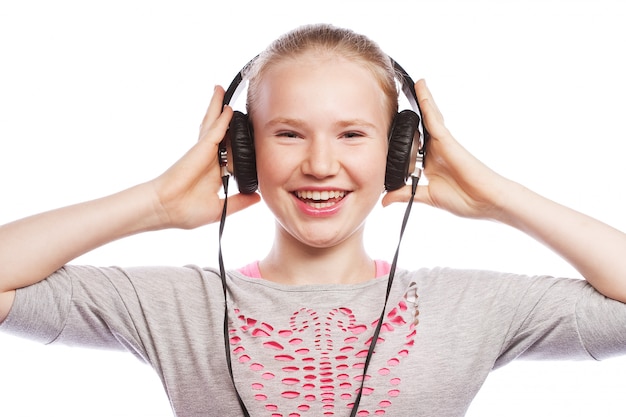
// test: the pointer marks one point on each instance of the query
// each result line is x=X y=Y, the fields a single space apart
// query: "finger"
x=214 y=110
x=426 y=99
x=215 y=132
x=403 y=195
x=203 y=155
x=433 y=118
x=240 y=201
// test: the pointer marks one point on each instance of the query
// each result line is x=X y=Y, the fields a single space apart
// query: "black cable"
x=224 y=287
x=392 y=272
x=370 y=352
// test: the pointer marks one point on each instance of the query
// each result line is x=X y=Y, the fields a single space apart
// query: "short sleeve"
x=602 y=325
x=560 y=318
x=39 y=311
x=77 y=305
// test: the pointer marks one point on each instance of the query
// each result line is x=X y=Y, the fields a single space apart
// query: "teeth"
x=321 y=205
x=320 y=195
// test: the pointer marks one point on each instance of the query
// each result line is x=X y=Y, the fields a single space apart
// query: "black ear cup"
x=244 y=158
x=399 y=152
x=402 y=142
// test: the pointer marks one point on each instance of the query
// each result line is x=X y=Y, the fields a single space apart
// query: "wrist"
x=510 y=200
x=149 y=212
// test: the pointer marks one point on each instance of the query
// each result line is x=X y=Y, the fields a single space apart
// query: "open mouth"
x=320 y=199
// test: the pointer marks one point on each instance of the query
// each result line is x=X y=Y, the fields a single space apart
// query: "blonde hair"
x=325 y=38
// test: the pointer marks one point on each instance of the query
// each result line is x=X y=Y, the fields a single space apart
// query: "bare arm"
x=185 y=196
x=595 y=249
x=463 y=185
x=34 y=247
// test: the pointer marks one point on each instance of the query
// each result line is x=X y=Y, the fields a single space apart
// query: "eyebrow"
x=299 y=123
x=285 y=121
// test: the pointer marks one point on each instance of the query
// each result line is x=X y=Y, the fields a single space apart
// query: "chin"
x=316 y=240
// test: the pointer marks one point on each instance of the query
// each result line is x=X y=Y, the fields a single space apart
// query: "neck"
x=293 y=263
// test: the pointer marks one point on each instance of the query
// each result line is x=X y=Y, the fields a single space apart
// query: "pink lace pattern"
x=323 y=377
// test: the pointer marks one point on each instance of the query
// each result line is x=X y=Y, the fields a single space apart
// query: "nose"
x=322 y=159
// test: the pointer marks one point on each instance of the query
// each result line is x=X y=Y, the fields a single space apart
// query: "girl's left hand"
x=457 y=181
x=461 y=184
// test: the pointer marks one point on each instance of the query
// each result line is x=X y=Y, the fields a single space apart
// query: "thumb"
x=240 y=201
x=403 y=195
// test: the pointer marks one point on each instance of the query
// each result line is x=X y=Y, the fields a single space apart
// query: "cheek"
x=272 y=168
x=266 y=174
x=371 y=166
x=379 y=169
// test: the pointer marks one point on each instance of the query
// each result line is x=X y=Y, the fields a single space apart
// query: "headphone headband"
x=407 y=142
x=407 y=85
x=236 y=85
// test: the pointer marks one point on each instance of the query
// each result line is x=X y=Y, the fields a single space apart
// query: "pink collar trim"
x=252 y=269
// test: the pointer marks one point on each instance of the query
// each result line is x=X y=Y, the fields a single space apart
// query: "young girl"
x=301 y=321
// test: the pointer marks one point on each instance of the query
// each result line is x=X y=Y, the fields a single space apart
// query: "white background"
x=98 y=96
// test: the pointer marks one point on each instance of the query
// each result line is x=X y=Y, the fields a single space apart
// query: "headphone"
x=406 y=150
x=405 y=158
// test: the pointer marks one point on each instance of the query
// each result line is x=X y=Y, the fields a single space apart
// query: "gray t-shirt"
x=299 y=350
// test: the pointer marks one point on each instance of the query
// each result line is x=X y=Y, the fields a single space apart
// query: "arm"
x=461 y=184
x=185 y=196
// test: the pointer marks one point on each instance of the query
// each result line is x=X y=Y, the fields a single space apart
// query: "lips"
x=320 y=199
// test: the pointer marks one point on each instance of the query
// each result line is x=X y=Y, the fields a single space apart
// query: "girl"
x=301 y=322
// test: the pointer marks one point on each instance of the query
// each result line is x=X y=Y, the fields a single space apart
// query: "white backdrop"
x=98 y=96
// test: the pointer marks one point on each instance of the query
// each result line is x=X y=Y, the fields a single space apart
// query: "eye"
x=287 y=134
x=352 y=135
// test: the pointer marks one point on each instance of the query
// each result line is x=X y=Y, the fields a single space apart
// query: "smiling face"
x=320 y=129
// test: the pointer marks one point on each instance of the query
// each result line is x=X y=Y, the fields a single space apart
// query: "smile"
x=320 y=199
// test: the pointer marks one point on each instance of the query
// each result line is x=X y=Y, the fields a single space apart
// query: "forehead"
x=314 y=80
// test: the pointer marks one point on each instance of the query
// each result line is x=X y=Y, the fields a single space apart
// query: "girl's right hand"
x=187 y=194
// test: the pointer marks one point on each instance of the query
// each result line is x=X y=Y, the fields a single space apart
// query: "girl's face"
x=320 y=128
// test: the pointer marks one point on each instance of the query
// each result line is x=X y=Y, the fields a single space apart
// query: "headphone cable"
x=229 y=362
x=414 y=182
x=392 y=271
